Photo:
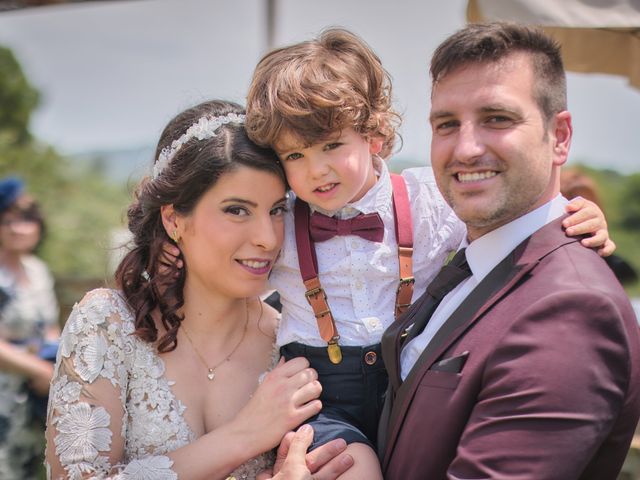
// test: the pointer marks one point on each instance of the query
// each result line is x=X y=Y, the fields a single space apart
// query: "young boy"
x=325 y=107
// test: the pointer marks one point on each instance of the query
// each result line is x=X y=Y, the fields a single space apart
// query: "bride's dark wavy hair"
x=147 y=280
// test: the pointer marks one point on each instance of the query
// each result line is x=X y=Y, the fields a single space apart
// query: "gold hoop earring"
x=174 y=236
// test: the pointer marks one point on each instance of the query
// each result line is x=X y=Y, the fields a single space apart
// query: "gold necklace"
x=211 y=370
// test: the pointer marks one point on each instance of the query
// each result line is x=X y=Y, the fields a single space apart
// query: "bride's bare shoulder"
x=269 y=321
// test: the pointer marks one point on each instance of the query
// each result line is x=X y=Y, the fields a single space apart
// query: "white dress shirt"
x=360 y=277
x=483 y=254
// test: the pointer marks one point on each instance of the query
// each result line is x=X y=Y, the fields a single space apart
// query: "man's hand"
x=293 y=463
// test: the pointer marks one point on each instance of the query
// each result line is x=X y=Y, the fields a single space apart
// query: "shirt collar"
x=377 y=198
x=484 y=253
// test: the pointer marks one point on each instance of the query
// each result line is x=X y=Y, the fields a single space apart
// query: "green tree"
x=81 y=207
x=18 y=99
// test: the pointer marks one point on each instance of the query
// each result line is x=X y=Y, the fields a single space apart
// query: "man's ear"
x=562 y=131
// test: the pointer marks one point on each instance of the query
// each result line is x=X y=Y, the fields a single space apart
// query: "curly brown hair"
x=147 y=279
x=316 y=88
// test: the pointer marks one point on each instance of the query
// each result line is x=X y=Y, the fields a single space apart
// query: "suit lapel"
x=392 y=338
x=392 y=341
x=489 y=291
x=496 y=284
x=492 y=288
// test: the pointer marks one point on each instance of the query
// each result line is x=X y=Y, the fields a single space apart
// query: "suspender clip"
x=333 y=349
x=405 y=282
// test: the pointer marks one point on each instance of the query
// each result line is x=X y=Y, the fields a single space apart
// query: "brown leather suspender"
x=404 y=236
x=308 y=262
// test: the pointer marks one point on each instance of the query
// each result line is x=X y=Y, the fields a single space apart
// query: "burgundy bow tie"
x=368 y=226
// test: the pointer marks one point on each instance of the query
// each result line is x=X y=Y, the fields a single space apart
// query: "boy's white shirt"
x=360 y=277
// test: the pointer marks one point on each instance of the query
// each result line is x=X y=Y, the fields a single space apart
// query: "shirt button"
x=355 y=244
x=370 y=358
x=359 y=285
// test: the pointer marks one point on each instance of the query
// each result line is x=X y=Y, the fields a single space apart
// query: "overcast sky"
x=113 y=73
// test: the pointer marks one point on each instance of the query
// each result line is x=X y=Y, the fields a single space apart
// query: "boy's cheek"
x=295 y=179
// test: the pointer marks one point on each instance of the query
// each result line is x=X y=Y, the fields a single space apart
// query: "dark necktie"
x=368 y=226
x=448 y=278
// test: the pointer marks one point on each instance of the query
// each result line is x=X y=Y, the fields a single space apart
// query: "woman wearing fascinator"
x=28 y=326
x=174 y=374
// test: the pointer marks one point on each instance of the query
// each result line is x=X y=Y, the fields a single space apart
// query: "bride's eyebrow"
x=243 y=201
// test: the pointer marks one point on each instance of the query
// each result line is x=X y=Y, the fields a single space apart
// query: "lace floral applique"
x=97 y=346
x=104 y=371
x=82 y=432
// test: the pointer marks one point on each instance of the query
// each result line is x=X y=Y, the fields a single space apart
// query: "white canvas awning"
x=598 y=36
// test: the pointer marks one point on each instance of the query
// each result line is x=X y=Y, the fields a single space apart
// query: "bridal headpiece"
x=204 y=128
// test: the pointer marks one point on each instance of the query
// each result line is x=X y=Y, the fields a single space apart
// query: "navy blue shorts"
x=352 y=392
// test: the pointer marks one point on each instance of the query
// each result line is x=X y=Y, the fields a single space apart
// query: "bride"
x=165 y=377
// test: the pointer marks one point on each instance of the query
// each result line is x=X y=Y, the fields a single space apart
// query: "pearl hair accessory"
x=205 y=127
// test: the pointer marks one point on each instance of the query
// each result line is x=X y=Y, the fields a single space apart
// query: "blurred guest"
x=573 y=183
x=28 y=321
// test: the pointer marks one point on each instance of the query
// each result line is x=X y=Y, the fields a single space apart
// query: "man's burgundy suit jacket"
x=550 y=386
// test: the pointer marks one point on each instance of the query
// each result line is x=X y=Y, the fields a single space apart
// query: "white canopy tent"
x=599 y=36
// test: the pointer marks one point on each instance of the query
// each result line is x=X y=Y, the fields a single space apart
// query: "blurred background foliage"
x=84 y=208
x=18 y=99
x=620 y=196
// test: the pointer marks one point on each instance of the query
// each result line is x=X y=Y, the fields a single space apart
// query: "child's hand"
x=587 y=218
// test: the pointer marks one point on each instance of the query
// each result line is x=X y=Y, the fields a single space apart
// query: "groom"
x=529 y=367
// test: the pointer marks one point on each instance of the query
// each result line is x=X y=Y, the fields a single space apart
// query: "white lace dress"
x=104 y=372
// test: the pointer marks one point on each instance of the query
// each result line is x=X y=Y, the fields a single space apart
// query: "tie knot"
x=450 y=276
x=459 y=260
x=343 y=227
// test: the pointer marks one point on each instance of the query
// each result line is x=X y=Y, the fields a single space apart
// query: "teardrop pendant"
x=210 y=370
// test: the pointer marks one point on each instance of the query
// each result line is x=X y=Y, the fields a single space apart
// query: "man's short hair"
x=490 y=42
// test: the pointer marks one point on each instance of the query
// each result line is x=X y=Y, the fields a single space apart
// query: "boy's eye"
x=332 y=146
x=236 y=210
x=293 y=156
